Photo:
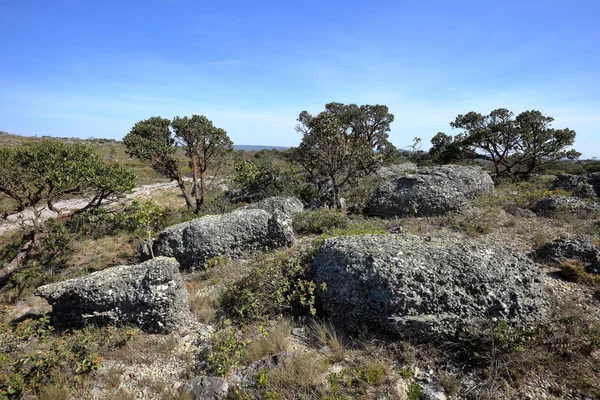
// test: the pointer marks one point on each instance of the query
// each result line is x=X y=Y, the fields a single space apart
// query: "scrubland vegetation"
x=257 y=320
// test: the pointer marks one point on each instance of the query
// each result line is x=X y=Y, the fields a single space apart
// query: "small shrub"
x=278 y=282
x=227 y=349
x=319 y=221
x=326 y=335
x=414 y=392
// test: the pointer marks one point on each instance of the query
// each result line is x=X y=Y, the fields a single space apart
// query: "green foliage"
x=319 y=221
x=203 y=144
x=227 y=349
x=34 y=355
x=514 y=146
x=592 y=166
x=414 y=392
x=278 y=283
x=342 y=144
x=46 y=172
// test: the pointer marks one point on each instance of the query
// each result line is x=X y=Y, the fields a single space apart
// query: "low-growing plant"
x=279 y=282
x=319 y=221
x=272 y=341
x=228 y=349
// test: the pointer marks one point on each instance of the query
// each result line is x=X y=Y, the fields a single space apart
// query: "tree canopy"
x=155 y=140
x=343 y=144
x=48 y=171
x=515 y=146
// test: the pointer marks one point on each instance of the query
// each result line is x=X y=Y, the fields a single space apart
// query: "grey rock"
x=431 y=391
x=246 y=376
x=393 y=171
x=520 y=212
x=576 y=184
x=594 y=268
x=568 y=248
x=232 y=235
x=207 y=388
x=151 y=295
x=425 y=289
x=429 y=192
x=557 y=204
x=287 y=206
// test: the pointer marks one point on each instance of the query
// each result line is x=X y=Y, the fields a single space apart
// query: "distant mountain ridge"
x=15 y=139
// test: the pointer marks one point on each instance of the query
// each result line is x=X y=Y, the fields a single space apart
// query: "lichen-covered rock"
x=566 y=205
x=150 y=295
x=393 y=171
x=207 y=388
x=424 y=289
x=287 y=206
x=568 y=248
x=231 y=235
x=429 y=192
x=576 y=184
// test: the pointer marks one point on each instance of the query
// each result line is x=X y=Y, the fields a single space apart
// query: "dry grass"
x=201 y=303
x=144 y=349
x=574 y=271
x=90 y=255
x=298 y=376
x=275 y=340
x=327 y=336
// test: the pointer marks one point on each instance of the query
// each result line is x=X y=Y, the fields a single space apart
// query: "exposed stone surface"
x=393 y=171
x=429 y=192
x=570 y=205
x=232 y=235
x=424 y=289
x=287 y=206
x=576 y=184
x=568 y=248
x=151 y=295
x=431 y=391
x=207 y=388
x=520 y=212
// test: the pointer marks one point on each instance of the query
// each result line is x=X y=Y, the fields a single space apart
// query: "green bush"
x=319 y=221
x=278 y=283
x=34 y=355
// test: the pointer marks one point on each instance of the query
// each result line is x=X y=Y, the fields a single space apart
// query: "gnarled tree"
x=342 y=144
x=152 y=140
x=514 y=146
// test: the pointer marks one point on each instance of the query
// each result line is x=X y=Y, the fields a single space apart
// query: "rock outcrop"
x=231 y=235
x=557 y=204
x=423 y=289
x=207 y=388
x=576 y=184
x=286 y=206
x=151 y=295
x=429 y=192
x=568 y=248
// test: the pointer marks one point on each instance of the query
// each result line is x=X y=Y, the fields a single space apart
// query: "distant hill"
x=258 y=148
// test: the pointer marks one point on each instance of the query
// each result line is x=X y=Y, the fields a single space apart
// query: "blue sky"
x=94 y=68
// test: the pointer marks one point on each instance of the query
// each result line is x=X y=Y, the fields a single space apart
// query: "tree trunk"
x=194 y=159
x=186 y=195
x=200 y=199
x=15 y=264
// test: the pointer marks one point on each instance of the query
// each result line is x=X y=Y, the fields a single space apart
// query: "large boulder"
x=151 y=295
x=286 y=206
x=424 y=289
x=568 y=248
x=429 y=192
x=232 y=235
x=576 y=184
x=388 y=172
x=558 y=204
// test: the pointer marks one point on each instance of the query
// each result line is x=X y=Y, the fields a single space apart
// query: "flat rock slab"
x=230 y=235
x=150 y=295
x=287 y=206
x=425 y=290
x=575 y=206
